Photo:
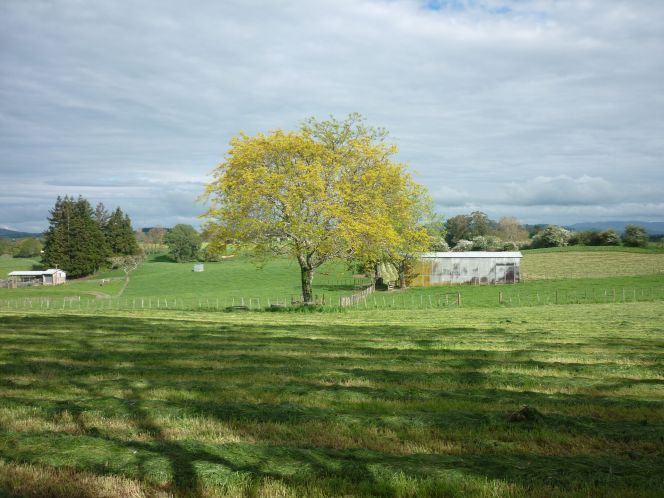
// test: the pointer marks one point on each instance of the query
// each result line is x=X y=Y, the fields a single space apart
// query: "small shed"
x=199 y=267
x=473 y=267
x=52 y=276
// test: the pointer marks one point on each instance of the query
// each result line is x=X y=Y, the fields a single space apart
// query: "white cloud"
x=498 y=105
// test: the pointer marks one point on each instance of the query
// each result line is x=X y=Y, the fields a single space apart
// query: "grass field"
x=363 y=403
x=8 y=264
x=229 y=280
x=559 y=276
x=538 y=265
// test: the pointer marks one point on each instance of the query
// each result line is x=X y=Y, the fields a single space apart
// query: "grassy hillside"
x=653 y=247
x=385 y=403
x=9 y=264
x=228 y=281
x=240 y=277
x=590 y=264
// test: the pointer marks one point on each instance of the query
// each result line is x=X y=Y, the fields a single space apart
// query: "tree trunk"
x=402 y=275
x=307 y=275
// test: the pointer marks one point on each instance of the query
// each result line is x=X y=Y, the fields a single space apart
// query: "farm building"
x=476 y=267
x=52 y=276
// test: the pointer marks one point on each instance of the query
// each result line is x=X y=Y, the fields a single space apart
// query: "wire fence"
x=366 y=299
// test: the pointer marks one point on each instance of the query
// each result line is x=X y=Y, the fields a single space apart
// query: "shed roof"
x=473 y=254
x=50 y=271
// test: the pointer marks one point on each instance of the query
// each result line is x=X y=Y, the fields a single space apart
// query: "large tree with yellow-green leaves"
x=331 y=189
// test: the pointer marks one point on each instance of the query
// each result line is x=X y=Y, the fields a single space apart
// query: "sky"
x=550 y=111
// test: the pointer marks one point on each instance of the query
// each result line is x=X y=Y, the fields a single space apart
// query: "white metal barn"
x=52 y=276
x=474 y=267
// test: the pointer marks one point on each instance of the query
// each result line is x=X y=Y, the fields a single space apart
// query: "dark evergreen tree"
x=74 y=242
x=101 y=216
x=89 y=250
x=119 y=234
x=57 y=238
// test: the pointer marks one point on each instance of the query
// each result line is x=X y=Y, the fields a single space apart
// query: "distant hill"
x=653 y=227
x=5 y=233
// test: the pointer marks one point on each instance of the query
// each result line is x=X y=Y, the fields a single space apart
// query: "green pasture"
x=230 y=281
x=549 y=278
x=653 y=247
x=543 y=264
x=8 y=264
x=529 y=293
x=362 y=403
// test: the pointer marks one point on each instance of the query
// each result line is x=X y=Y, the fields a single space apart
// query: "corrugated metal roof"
x=473 y=254
x=50 y=271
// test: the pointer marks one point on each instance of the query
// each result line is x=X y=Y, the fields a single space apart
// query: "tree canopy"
x=635 y=236
x=467 y=226
x=29 y=248
x=328 y=190
x=183 y=243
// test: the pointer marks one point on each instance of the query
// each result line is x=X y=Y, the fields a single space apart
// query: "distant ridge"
x=5 y=233
x=653 y=227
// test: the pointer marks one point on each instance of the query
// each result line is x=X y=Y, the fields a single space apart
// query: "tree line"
x=80 y=240
x=477 y=232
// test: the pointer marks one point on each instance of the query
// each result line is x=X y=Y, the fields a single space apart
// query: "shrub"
x=635 y=236
x=487 y=243
x=510 y=246
x=463 y=245
x=609 y=238
x=551 y=236
x=439 y=244
x=480 y=243
x=580 y=238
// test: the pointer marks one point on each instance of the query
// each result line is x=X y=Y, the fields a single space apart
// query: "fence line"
x=357 y=297
x=367 y=299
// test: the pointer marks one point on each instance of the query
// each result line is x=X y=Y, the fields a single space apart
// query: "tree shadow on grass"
x=162 y=258
x=96 y=347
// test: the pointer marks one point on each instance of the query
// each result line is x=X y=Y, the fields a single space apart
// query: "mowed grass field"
x=543 y=264
x=362 y=403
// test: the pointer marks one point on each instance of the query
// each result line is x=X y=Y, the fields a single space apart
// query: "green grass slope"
x=537 y=265
x=230 y=281
x=382 y=403
x=9 y=264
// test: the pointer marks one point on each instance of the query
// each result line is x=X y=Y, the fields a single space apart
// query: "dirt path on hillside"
x=104 y=295
x=99 y=295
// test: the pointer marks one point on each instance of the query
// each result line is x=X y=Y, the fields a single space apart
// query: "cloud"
x=504 y=105
x=562 y=190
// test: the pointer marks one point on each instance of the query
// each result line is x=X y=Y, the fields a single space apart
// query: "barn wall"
x=459 y=270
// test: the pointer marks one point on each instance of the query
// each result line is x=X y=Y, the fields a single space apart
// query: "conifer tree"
x=101 y=216
x=74 y=241
x=58 y=235
x=119 y=234
x=89 y=250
